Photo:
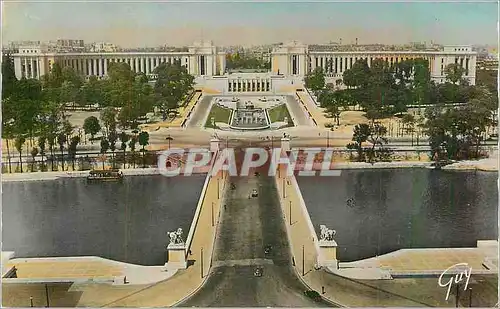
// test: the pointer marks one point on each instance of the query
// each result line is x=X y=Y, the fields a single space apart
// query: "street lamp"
x=169 y=138
x=470 y=297
x=213 y=214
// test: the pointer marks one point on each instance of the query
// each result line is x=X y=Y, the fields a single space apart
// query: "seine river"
x=373 y=212
x=379 y=211
x=121 y=221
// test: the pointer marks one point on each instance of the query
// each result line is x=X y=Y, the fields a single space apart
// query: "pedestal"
x=176 y=257
x=214 y=145
x=328 y=254
x=285 y=144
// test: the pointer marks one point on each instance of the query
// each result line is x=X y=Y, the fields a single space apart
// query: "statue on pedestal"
x=326 y=233
x=176 y=237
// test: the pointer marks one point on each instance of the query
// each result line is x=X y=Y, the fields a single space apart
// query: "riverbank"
x=43 y=176
x=487 y=165
x=490 y=164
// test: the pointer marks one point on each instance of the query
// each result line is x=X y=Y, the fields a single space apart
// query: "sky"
x=145 y=23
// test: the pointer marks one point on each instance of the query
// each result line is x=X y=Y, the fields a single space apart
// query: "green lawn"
x=278 y=114
x=220 y=114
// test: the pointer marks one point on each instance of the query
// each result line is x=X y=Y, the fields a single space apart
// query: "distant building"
x=201 y=59
x=102 y=47
x=297 y=59
x=204 y=59
x=16 y=44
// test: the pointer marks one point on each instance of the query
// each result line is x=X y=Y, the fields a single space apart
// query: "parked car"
x=258 y=272
x=313 y=295
x=267 y=249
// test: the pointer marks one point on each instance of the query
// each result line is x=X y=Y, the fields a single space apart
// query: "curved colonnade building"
x=289 y=64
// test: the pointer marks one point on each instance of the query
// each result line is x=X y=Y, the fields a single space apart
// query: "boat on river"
x=105 y=175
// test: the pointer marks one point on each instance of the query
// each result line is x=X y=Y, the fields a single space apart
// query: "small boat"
x=105 y=175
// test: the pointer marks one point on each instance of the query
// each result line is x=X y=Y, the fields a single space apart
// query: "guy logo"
x=461 y=270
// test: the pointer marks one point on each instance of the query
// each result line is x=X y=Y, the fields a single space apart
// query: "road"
x=247 y=225
x=297 y=112
x=201 y=109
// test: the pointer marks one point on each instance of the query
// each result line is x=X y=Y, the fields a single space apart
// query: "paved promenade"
x=315 y=111
x=406 y=262
x=183 y=113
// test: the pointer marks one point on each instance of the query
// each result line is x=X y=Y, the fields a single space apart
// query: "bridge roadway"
x=247 y=226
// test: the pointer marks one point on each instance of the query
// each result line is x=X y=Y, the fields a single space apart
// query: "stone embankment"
x=39 y=176
x=489 y=164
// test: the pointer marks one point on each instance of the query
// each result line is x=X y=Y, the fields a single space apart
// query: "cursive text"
x=462 y=272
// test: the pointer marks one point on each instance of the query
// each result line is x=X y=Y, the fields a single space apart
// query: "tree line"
x=36 y=108
x=244 y=61
x=383 y=90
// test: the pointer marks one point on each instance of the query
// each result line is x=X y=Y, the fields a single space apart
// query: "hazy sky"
x=145 y=23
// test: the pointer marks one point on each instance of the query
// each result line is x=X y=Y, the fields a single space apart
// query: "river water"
x=378 y=211
x=125 y=221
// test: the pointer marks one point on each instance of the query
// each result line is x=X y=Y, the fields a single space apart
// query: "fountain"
x=248 y=117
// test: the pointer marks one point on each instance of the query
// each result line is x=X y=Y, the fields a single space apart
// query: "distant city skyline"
x=141 y=24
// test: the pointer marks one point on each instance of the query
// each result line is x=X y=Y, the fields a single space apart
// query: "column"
x=105 y=71
x=136 y=64
x=99 y=67
x=94 y=66
x=89 y=67
x=143 y=65
x=31 y=67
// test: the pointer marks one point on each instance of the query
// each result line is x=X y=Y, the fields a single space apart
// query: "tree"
x=454 y=73
x=334 y=102
x=378 y=138
x=92 y=91
x=375 y=134
x=61 y=140
x=172 y=85
x=131 y=145
x=108 y=118
x=112 y=137
x=18 y=143
x=9 y=79
x=421 y=81
x=91 y=126
x=8 y=126
x=408 y=123
x=72 y=149
x=360 y=135
x=315 y=80
x=55 y=77
x=239 y=60
x=71 y=76
x=456 y=133
x=358 y=76
x=34 y=153
x=41 y=144
x=141 y=102
x=143 y=141
x=124 y=139
x=67 y=129
x=69 y=92
x=51 y=137
x=104 y=149
x=488 y=78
